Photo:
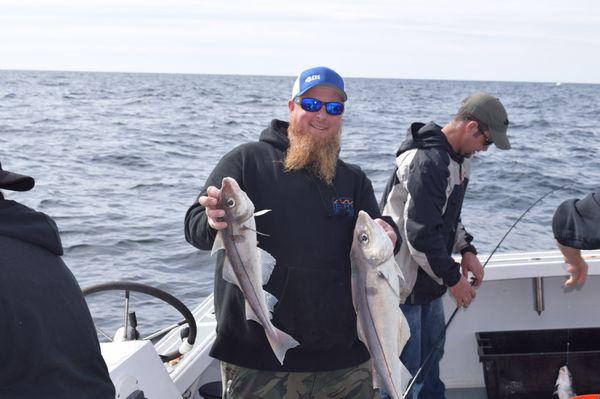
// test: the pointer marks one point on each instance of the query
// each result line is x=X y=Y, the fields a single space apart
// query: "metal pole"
x=126 y=315
x=538 y=295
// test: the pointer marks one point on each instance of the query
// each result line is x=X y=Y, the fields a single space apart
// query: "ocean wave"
x=53 y=84
x=45 y=120
x=119 y=160
x=133 y=102
x=153 y=186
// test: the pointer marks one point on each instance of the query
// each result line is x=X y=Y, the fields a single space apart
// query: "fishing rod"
x=439 y=344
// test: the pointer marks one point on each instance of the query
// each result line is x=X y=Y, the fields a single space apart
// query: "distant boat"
x=558 y=83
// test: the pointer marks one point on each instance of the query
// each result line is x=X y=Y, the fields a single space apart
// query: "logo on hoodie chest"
x=343 y=206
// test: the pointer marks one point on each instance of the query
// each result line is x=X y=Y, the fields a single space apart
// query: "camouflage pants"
x=350 y=383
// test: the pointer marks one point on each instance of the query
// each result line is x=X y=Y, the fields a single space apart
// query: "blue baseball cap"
x=318 y=76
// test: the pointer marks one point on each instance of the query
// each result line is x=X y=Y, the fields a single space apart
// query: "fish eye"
x=363 y=237
x=230 y=202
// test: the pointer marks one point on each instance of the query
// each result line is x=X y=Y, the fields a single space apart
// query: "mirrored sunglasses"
x=313 y=105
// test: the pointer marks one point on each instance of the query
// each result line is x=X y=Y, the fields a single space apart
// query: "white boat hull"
x=504 y=303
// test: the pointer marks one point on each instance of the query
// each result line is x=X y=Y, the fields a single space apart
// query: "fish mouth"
x=241 y=208
x=228 y=183
x=229 y=186
x=363 y=218
x=362 y=224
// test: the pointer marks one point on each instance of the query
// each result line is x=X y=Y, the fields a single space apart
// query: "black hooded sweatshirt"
x=576 y=223
x=309 y=234
x=48 y=343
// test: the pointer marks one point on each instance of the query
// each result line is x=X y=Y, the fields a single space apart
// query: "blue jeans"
x=426 y=324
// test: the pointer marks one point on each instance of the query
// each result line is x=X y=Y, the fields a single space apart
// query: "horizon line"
x=290 y=76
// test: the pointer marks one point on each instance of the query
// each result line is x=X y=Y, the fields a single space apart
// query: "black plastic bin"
x=525 y=364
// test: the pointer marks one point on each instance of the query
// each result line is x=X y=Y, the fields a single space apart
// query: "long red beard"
x=317 y=154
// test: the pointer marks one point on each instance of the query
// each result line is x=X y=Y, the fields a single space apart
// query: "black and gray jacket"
x=310 y=235
x=576 y=223
x=424 y=197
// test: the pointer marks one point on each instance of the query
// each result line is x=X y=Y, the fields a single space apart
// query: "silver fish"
x=246 y=265
x=564 y=384
x=376 y=285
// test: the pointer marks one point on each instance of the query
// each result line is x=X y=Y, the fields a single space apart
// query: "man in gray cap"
x=48 y=342
x=424 y=197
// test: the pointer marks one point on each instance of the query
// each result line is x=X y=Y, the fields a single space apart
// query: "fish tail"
x=280 y=343
x=396 y=385
x=405 y=377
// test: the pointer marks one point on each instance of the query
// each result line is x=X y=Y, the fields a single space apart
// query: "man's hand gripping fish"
x=246 y=265
x=376 y=283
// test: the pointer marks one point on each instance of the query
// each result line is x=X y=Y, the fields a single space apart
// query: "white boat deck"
x=533 y=264
x=504 y=303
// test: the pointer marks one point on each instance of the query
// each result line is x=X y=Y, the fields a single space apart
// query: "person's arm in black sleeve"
x=576 y=223
x=576 y=226
x=196 y=227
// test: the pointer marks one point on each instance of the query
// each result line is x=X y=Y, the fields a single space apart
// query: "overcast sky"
x=519 y=40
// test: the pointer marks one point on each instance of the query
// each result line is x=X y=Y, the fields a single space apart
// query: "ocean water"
x=118 y=158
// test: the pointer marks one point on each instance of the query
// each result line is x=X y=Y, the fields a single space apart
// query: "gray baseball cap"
x=489 y=110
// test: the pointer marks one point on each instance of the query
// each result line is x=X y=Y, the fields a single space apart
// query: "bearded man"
x=314 y=198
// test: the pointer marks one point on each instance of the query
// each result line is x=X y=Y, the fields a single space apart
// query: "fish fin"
x=257 y=232
x=555 y=393
x=260 y=213
x=359 y=327
x=271 y=301
x=377 y=380
x=405 y=377
x=280 y=343
x=237 y=230
x=399 y=382
x=218 y=244
x=361 y=333
x=401 y=279
x=228 y=273
x=391 y=272
x=403 y=331
x=250 y=315
x=267 y=263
